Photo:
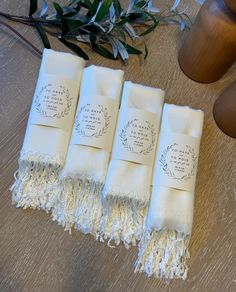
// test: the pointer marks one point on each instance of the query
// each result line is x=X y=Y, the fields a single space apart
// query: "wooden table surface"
x=38 y=255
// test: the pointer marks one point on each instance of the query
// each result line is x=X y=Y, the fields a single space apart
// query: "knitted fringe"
x=122 y=221
x=88 y=212
x=35 y=181
x=79 y=205
x=163 y=254
x=64 y=207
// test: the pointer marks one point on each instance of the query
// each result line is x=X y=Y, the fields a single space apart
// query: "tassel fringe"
x=79 y=205
x=35 y=181
x=163 y=254
x=88 y=211
x=64 y=207
x=122 y=221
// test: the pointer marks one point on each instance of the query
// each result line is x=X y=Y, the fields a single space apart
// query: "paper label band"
x=95 y=122
x=54 y=102
x=177 y=160
x=136 y=136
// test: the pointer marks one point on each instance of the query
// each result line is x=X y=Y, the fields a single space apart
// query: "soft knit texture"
x=82 y=179
x=45 y=147
x=163 y=250
x=127 y=186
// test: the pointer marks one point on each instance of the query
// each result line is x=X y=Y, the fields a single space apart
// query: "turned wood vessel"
x=209 y=49
x=224 y=111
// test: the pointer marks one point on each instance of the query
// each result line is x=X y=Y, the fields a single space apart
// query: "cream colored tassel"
x=35 y=181
x=122 y=221
x=64 y=208
x=88 y=210
x=163 y=254
x=79 y=205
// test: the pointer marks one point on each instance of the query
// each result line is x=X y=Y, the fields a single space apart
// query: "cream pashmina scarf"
x=127 y=186
x=82 y=178
x=163 y=250
x=49 y=129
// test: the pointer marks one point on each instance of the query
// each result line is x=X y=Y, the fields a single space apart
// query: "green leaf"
x=131 y=50
x=99 y=49
x=94 y=6
x=145 y=51
x=123 y=21
x=33 y=7
x=93 y=39
x=135 y=15
x=42 y=34
x=151 y=16
x=64 y=27
x=121 y=33
x=122 y=51
x=64 y=22
x=104 y=52
x=141 y=4
x=58 y=8
x=76 y=49
x=117 y=7
x=152 y=27
x=73 y=24
x=104 y=10
x=93 y=28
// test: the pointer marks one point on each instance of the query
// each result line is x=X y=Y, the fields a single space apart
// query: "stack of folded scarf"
x=93 y=168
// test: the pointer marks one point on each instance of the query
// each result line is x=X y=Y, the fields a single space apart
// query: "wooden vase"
x=210 y=47
x=224 y=111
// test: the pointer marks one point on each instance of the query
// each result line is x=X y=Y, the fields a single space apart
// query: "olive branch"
x=107 y=27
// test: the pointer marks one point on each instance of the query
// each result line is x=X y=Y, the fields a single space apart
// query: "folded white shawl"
x=163 y=250
x=82 y=179
x=127 y=186
x=47 y=137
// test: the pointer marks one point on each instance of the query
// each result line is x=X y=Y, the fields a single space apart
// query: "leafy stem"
x=107 y=27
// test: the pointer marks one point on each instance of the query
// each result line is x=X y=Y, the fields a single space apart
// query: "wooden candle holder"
x=210 y=47
x=224 y=111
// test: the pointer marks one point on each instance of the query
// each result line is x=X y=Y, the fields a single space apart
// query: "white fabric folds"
x=82 y=179
x=127 y=188
x=163 y=250
x=49 y=129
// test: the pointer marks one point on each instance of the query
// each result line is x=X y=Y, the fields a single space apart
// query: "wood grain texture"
x=37 y=255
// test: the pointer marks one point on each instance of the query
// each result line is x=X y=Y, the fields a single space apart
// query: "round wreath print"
x=92 y=120
x=53 y=101
x=138 y=136
x=179 y=161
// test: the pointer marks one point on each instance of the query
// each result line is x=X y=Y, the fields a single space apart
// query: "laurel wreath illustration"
x=96 y=134
x=171 y=174
x=125 y=139
x=57 y=115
